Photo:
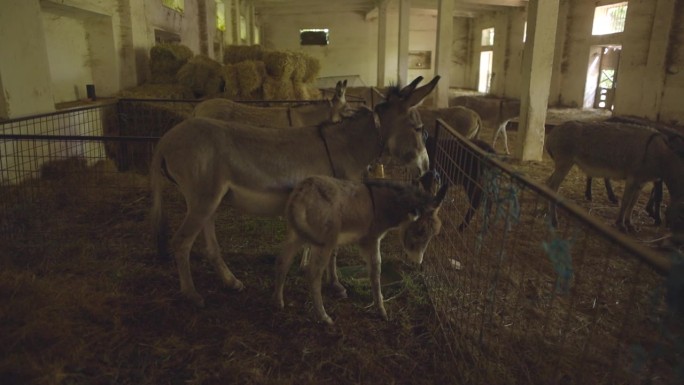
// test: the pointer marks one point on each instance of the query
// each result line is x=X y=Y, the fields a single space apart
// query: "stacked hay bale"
x=166 y=60
x=247 y=73
x=271 y=75
x=202 y=75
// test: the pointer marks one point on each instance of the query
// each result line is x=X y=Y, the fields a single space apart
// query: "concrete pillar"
x=251 y=20
x=382 y=43
x=652 y=75
x=542 y=17
x=445 y=32
x=229 y=33
x=402 y=52
x=236 y=22
x=24 y=67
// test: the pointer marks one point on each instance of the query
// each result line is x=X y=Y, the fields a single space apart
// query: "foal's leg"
x=283 y=263
x=319 y=260
x=373 y=260
x=214 y=256
x=560 y=171
x=333 y=279
x=624 y=220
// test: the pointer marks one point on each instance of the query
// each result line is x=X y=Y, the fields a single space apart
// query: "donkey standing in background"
x=325 y=212
x=617 y=151
x=254 y=168
x=299 y=116
x=495 y=112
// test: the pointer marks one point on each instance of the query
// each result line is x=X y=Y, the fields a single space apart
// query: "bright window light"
x=176 y=5
x=488 y=37
x=609 y=19
x=220 y=15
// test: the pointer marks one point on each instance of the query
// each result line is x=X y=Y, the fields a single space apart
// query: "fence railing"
x=520 y=301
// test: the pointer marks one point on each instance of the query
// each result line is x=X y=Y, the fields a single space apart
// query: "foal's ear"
x=437 y=201
x=419 y=94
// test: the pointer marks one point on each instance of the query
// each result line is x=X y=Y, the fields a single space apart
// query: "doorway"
x=602 y=77
x=485 y=78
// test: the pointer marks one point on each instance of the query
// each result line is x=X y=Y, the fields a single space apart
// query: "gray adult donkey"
x=637 y=154
x=255 y=168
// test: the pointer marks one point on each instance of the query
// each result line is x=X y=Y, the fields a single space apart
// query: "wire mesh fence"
x=520 y=301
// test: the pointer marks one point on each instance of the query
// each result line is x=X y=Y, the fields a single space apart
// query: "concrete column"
x=542 y=17
x=445 y=32
x=382 y=43
x=229 y=33
x=24 y=67
x=655 y=73
x=402 y=52
x=251 y=19
x=236 y=22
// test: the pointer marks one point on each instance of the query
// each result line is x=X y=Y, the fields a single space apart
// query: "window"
x=313 y=36
x=176 y=5
x=609 y=19
x=487 y=37
x=220 y=15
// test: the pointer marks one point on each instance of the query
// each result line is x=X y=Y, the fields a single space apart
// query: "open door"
x=602 y=77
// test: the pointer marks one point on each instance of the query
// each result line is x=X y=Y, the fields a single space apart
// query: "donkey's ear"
x=437 y=201
x=344 y=83
x=419 y=94
x=406 y=91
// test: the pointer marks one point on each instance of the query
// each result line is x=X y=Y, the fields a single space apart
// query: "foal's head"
x=401 y=126
x=424 y=224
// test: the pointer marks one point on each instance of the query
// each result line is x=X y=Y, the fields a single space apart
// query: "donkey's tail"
x=160 y=229
x=478 y=130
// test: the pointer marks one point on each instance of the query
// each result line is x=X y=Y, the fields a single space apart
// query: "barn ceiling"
x=368 y=8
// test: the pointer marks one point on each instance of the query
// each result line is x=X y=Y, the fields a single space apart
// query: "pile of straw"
x=157 y=91
x=239 y=53
x=166 y=60
x=202 y=75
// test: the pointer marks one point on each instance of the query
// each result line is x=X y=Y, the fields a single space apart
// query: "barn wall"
x=352 y=48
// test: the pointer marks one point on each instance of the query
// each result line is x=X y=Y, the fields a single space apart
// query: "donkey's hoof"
x=237 y=285
x=195 y=298
x=338 y=290
x=327 y=320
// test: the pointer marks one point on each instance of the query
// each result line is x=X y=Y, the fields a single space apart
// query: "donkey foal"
x=325 y=212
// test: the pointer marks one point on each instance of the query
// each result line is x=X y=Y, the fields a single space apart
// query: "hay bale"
x=231 y=87
x=278 y=89
x=279 y=64
x=250 y=76
x=202 y=75
x=305 y=91
x=157 y=91
x=313 y=67
x=165 y=61
x=300 y=62
x=239 y=53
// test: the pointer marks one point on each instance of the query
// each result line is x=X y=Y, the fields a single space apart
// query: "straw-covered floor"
x=85 y=300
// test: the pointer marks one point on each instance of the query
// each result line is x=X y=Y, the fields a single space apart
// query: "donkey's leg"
x=560 y=171
x=474 y=192
x=283 y=263
x=609 y=191
x=374 y=262
x=319 y=260
x=624 y=220
x=502 y=129
x=214 y=256
x=334 y=280
x=654 y=201
x=201 y=203
x=587 y=189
